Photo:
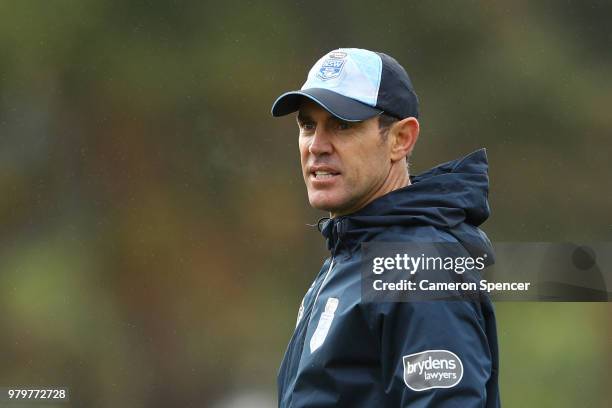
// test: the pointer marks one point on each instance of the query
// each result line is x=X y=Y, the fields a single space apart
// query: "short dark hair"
x=385 y=121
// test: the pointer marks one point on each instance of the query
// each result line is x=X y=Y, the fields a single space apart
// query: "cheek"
x=369 y=166
x=355 y=173
x=304 y=158
x=303 y=149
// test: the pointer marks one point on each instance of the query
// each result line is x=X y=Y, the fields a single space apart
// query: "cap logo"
x=332 y=66
x=337 y=54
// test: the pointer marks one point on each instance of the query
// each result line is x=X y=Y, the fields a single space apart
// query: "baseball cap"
x=354 y=84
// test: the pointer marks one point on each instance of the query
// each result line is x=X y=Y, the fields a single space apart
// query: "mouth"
x=323 y=175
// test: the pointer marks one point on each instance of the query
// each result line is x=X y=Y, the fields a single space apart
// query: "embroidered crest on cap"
x=332 y=66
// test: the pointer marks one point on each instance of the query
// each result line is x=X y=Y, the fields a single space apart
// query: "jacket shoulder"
x=415 y=233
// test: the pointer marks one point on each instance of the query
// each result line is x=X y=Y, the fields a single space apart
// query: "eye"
x=344 y=125
x=308 y=126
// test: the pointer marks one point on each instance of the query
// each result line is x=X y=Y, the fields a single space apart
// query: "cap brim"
x=338 y=105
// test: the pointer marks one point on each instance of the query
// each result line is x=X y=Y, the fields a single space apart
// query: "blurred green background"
x=154 y=246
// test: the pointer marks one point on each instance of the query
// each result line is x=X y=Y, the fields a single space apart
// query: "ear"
x=403 y=135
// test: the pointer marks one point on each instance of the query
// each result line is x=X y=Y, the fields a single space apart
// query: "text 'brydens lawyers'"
x=412 y=264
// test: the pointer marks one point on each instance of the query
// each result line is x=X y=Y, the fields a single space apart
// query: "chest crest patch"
x=324 y=324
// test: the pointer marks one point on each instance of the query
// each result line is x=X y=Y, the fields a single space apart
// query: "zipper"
x=294 y=355
x=298 y=340
x=337 y=231
x=314 y=304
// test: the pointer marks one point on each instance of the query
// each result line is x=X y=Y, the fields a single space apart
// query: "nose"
x=320 y=142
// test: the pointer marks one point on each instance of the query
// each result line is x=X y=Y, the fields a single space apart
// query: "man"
x=358 y=124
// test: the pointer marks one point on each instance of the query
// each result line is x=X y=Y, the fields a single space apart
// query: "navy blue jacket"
x=347 y=353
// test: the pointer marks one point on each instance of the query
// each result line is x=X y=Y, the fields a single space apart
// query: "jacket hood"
x=451 y=196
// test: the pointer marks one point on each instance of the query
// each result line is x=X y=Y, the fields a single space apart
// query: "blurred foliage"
x=154 y=241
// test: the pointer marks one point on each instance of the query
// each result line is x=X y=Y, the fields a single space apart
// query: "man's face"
x=344 y=164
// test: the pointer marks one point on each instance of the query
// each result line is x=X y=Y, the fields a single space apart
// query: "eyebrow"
x=301 y=117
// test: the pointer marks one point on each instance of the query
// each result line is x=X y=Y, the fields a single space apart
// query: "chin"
x=325 y=203
x=322 y=203
x=321 y=206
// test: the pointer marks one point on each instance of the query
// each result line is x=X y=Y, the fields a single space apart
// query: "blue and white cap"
x=354 y=85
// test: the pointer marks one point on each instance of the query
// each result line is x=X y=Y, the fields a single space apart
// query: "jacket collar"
x=445 y=196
